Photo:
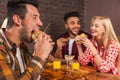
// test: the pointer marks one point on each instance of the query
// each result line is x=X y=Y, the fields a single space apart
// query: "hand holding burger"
x=43 y=44
x=77 y=38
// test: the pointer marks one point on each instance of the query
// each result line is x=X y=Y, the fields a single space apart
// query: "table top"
x=84 y=73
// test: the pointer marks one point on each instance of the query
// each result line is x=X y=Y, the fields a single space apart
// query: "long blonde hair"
x=109 y=31
x=109 y=34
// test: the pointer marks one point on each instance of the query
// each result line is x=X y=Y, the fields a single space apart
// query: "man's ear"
x=66 y=25
x=17 y=20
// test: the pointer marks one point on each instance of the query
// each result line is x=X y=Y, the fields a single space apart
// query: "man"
x=16 y=63
x=72 y=24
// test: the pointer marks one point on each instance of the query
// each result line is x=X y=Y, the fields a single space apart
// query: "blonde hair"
x=109 y=31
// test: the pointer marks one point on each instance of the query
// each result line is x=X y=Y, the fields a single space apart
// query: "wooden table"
x=84 y=73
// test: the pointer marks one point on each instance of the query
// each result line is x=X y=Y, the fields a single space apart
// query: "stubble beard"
x=24 y=35
x=70 y=31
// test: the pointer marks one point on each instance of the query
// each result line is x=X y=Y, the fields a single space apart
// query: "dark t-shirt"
x=74 y=47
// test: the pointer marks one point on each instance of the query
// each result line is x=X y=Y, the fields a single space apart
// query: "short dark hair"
x=18 y=7
x=71 y=14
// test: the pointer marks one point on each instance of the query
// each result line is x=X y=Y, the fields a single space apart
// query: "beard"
x=71 y=32
x=25 y=35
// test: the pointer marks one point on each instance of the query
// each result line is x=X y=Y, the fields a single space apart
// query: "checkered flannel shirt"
x=9 y=67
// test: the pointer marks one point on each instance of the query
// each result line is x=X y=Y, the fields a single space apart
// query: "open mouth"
x=76 y=30
x=93 y=32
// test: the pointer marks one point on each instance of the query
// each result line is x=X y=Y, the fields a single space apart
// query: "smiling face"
x=73 y=25
x=97 y=28
x=30 y=23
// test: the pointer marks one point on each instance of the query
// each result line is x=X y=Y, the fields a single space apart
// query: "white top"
x=70 y=45
x=20 y=60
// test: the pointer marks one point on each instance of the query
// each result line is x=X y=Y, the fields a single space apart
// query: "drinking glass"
x=75 y=65
x=69 y=59
x=56 y=64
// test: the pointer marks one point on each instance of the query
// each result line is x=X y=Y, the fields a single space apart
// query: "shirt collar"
x=7 y=42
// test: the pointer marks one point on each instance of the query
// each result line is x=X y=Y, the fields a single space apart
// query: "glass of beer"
x=75 y=65
x=56 y=64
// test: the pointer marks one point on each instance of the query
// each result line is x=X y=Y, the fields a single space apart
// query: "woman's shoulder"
x=115 y=43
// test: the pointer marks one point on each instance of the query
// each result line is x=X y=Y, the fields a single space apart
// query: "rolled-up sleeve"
x=109 y=62
x=35 y=68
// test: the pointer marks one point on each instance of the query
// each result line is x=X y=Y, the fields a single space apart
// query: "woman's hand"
x=87 y=43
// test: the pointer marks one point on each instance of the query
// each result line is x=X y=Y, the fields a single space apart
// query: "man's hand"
x=61 y=42
x=43 y=46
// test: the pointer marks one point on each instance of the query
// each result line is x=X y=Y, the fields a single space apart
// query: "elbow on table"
x=83 y=63
x=104 y=69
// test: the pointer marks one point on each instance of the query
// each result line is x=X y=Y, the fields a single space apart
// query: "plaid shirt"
x=9 y=66
x=109 y=57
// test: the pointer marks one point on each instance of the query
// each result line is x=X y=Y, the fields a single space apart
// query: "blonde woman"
x=103 y=49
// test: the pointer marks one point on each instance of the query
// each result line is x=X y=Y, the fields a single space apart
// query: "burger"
x=35 y=34
x=82 y=35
